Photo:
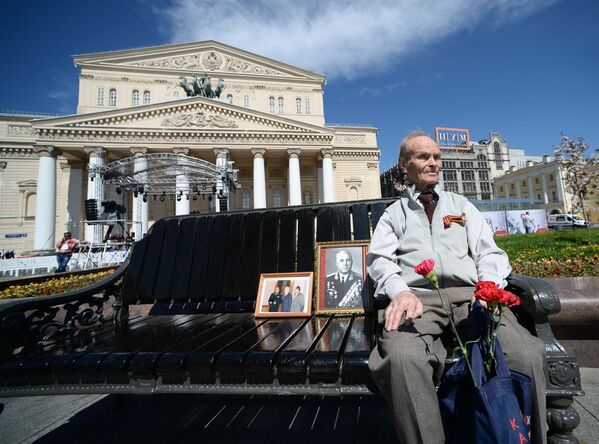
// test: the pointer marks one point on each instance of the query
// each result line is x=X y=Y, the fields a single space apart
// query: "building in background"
x=269 y=120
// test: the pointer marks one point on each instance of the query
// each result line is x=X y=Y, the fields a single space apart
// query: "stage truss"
x=163 y=174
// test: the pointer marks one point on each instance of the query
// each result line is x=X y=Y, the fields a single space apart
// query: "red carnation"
x=425 y=267
x=509 y=299
x=488 y=291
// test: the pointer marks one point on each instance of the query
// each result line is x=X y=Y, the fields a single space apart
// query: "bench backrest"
x=218 y=258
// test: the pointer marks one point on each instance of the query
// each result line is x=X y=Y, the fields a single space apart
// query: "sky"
x=527 y=69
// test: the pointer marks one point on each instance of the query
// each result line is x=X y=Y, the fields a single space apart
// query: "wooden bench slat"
x=232 y=246
x=136 y=261
x=199 y=362
x=305 y=239
x=268 y=245
x=213 y=288
x=258 y=364
x=164 y=278
x=325 y=361
x=183 y=260
x=376 y=211
x=361 y=221
x=200 y=258
x=357 y=351
x=248 y=275
x=287 y=247
x=291 y=364
x=151 y=263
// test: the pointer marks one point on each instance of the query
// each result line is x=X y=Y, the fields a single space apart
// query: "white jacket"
x=404 y=237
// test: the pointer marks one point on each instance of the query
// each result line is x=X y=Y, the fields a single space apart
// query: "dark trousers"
x=63 y=260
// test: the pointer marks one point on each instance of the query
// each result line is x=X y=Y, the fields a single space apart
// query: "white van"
x=557 y=221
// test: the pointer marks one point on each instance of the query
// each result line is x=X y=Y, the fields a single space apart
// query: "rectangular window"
x=537 y=180
x=551 y=178
x=469 y=187
x=467 y=164
x=450 y=175
x=468 y=175
x=307 y=105
x=451 y=186
x=448 y=163
x=484 y=186
x=483 y=175
x=246 y=101
x=101 y=96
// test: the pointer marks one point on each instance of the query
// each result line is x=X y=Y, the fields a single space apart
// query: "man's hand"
x=405 y=302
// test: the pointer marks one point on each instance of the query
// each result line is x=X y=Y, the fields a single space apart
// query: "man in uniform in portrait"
x=344 y=287
x=275 y=300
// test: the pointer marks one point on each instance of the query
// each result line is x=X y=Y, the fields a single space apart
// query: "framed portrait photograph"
x=341 y=284
x=285 y=295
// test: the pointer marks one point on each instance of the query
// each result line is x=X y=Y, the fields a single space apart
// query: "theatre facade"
x=269 y=121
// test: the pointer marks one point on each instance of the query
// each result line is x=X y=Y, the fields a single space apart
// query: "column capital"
x=184 y=151
x=293 y=152
x=258 y=152
x=138 y=150
x=327 y=152
x=221 y=152
x=45 y=150
x=98 y=150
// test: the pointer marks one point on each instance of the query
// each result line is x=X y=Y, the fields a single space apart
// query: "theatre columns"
x=259 y=178
x=140 y=208
x=95 y=190
x=45 y=209
x=294 y=186
x=182 y=187
x=327 y=175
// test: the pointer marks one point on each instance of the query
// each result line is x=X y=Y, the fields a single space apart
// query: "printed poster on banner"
x=496 y=221
x=526 y=221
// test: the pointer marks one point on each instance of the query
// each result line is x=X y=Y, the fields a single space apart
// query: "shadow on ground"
x=228 y=419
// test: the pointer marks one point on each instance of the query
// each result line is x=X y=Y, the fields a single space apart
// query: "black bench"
x=200 y=273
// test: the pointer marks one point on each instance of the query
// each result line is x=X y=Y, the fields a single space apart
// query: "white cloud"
x=340 y=38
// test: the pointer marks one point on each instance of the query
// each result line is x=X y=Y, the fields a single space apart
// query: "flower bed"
x=554 y=254
x=53 y=285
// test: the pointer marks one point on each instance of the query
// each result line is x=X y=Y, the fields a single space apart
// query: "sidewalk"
x=224 y=419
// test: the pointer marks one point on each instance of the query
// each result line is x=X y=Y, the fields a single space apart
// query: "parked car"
x=557 y=221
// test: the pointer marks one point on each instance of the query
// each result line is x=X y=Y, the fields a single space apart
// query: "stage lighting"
x=145 y=197
x=187 y=196
x=118 y=190
x=195 y=197
x=195 y=188
x=178 y=198
x=162 y=197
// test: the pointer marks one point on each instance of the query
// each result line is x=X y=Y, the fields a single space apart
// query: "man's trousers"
x=408 y=363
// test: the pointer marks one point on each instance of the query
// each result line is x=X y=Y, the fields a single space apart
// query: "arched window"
x=307 y=105
x=146 y=97
x=276 y=198
x=246 y=101
x=281 y=105
x=298 y=105
x=112 y=97
x=100 y=96
x=245 y=200
x=271 y=104
x=135 y=98
x=353 y=193
x=30 y=201
x=230 y=98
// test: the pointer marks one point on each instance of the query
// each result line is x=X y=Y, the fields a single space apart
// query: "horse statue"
x=208 y=87
x=197 y=86
x=186 y=86
x=219 y=88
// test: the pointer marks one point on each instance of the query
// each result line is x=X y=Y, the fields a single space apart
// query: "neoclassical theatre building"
x=269 y=121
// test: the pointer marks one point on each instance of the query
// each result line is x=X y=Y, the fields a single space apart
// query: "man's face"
x=344 y=262
x=422 y=163
x=67 y=236
x=286 y=290
x=276 y=289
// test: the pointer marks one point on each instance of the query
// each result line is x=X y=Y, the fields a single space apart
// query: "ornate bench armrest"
x=29 y=321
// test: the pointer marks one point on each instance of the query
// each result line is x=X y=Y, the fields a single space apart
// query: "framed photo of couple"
x=285 y=295
x=341 y=277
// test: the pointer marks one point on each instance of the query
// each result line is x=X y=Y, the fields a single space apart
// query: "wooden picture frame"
x=341 y=277
x=295 y=303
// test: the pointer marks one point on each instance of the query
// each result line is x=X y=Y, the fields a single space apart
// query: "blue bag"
x=498 y=411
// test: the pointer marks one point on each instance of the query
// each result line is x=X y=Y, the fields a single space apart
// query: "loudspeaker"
x=91 y=209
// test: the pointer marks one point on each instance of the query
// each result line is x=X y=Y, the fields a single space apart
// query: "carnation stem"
x=456 y=334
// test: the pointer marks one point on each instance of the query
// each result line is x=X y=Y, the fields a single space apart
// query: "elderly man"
x=409 y=357
x=344 y=287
